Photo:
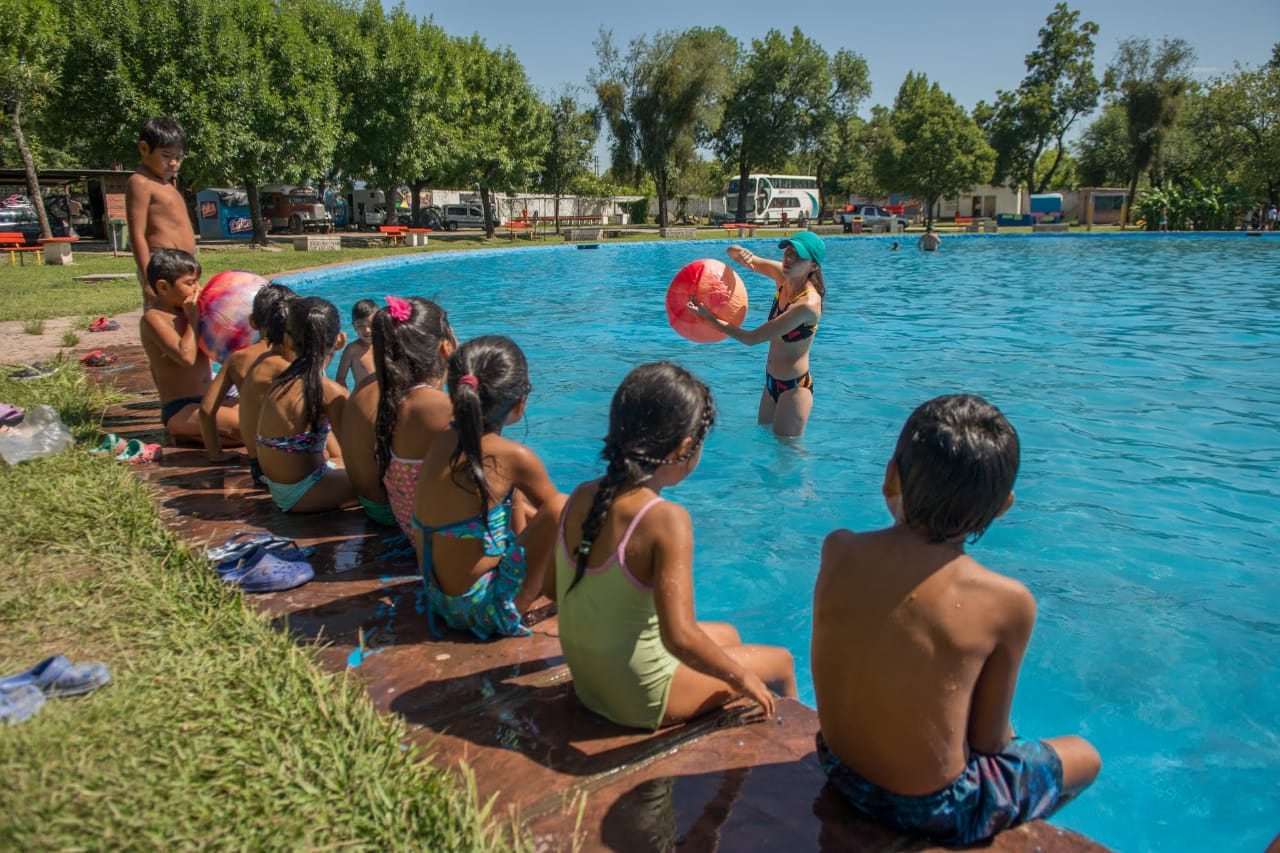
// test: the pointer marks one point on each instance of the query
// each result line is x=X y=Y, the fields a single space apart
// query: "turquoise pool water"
x=1143 y=375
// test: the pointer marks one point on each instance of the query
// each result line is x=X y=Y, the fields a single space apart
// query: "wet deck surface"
x=731 y=781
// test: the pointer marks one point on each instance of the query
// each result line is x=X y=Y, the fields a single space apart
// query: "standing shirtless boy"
x=168 y=331
x=916 y=647
x=156 y=211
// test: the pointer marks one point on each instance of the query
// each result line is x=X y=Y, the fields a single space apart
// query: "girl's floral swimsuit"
x=488 y=607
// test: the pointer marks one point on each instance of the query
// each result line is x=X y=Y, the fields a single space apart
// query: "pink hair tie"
x=398 y=308
x=469 y=379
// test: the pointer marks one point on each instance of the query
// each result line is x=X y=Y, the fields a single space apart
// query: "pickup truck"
x=869 y=215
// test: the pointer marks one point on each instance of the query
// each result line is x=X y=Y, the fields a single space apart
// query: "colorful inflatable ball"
x=716 y=286
x=225 y=305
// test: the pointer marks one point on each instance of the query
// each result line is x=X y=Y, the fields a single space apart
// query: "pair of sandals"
x=97 y=358
x=262 y=562
x=102 y=324
x=23 y=694
x=132 y=450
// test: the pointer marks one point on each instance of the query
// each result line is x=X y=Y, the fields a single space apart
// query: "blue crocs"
x=57 y=676
x=272 y=573
x=19 y=703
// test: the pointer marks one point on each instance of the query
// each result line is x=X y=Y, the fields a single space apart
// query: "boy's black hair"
x=363 y=310
x=170 y=265
x=957 y=458
x=314 y=327
x=405 y=353
x=656 y=407
x=501 y=380
x=270 y=314
x=163 y=132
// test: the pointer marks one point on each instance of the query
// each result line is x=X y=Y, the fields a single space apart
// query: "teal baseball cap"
x=807 y=245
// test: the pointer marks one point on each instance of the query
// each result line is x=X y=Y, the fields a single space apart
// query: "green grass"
x=217 y=731
x=33 y=326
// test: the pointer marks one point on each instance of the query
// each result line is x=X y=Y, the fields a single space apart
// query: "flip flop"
x=273 y=574
x=111 y=443
x=39 y=370
x=239 y=546
x=98 y=358
x=10 y=414
x=139 y=452
x=20 y=703
x=102 y=324
x=232 y=569
x=57 y=676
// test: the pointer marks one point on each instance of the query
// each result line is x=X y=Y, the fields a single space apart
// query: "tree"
x=662 y=100
x=30 y=43
x=503 y=126
x=929 y=147
x=573 y=133
x=786 y=95
x=1103 y=149
x=1150 y=86
x=1238 y=123
x=1060 y=86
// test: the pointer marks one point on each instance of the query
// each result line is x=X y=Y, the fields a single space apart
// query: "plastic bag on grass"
x=41 y=433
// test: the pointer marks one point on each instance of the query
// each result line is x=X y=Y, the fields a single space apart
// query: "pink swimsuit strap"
x=620 y=552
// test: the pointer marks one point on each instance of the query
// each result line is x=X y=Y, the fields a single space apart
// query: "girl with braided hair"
x=481 y=565
x=622 y=572
x=398 y=410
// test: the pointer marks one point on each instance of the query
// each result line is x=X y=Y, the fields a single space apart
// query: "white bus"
x=770 y=196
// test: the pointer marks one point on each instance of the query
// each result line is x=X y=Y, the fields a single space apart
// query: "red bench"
x=964 y=220
x=393 y=233
x=15 y=243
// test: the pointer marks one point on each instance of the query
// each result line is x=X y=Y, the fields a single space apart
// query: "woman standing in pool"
x=787 y=398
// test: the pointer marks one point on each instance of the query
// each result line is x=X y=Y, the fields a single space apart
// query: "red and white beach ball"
x=225 y=305
x=713 y=284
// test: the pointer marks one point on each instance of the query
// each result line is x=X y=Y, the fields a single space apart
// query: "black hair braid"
x=391 y=389
x=615 y=477
x=405 y=352
x=468 y=417
x=313 y=325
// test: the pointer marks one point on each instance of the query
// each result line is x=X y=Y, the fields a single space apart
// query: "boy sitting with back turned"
x=916 y=647
x=168 y=331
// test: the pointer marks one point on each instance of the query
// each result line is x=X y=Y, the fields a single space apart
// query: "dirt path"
x=18 y=347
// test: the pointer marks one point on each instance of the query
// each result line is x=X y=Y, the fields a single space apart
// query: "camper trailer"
x=297 y=208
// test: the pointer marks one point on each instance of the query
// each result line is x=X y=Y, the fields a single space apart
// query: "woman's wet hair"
x=405 y=353
x=314 y=326
x=656 y=407
x=270 y=313
x=957 y=459
x=488 y=377
x=170 y=265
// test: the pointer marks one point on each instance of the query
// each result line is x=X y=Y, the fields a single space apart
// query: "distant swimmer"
x=929 y=241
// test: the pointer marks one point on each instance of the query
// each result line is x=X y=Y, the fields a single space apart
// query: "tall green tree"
x=787 y=95
x=1060 y=86
x=1151 y=85
x=31 y=39
x=1238 y=123
x=572 y=137
x=1103 y=149
x=929 y=146
x=662 y=100
x=504 y=126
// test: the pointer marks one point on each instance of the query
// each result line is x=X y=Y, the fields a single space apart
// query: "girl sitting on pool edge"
x=787 y=398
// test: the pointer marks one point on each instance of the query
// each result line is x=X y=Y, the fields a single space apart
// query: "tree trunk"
x=415 y=203
x=740 y=215
x=389 y=196
x=255 y=211
x=29 y=166
x=486 y=210
x=1133 y=190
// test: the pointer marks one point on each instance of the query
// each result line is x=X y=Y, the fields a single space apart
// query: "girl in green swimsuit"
x=622 y=572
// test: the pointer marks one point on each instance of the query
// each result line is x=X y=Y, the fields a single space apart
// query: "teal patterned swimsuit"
x=488 y=607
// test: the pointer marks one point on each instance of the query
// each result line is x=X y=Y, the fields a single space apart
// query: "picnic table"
x=15 y=243
x=394 y=234
x=744 y=229
x=516 y=228
x=57 y=250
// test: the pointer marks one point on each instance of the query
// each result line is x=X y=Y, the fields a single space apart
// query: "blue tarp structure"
x=224 y=214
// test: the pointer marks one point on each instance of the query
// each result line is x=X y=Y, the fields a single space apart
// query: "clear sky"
x=971 y=49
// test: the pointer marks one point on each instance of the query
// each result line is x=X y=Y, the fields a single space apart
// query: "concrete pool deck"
x=730 y=781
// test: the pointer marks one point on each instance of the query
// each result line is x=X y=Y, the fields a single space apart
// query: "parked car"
x=457 y=216
x=870 y=215
x=23 y=220
x=297 y=208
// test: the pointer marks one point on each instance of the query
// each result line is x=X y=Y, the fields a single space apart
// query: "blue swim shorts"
x=993 y=793
x=488 y=608
x=287 y=495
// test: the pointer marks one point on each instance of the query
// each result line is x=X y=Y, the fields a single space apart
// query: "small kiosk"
x=224 y=214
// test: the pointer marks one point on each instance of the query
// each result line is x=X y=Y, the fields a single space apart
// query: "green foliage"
x=1060 y=86
x=1103 y=149
x=1151 y=85
x=928 y=146
x=1237 y=124
x=1057 y=170
x=571 y=141
x=661 y=100
x=639 y=210
x=1193 y=207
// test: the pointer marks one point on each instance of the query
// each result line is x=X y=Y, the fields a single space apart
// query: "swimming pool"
x=1143 y=375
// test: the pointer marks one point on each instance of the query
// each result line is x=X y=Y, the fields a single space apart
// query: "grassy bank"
x=217 y=730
